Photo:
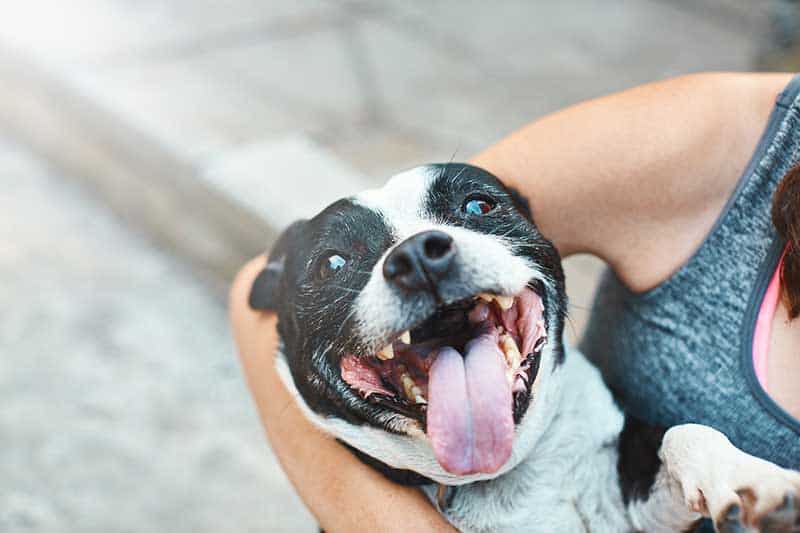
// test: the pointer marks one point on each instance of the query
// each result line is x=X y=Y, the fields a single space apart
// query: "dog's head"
x=421 y=322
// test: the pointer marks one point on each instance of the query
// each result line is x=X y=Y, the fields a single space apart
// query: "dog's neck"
x=562 y=481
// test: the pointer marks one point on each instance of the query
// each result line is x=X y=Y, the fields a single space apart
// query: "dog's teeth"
x=420 y=400
x=405 y=337
x=513 y=357
x=386 y=353
x=540 y=342
x=410 y=387
x=485 y=296
x=505 y=302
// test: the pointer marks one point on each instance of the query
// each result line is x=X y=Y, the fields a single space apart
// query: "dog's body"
x=503 y=426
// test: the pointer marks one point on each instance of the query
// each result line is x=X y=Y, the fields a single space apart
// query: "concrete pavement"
x=122 y=407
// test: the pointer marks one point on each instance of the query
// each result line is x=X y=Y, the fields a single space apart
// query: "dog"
x=421 y=324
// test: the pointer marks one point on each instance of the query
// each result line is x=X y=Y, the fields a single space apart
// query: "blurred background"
x=148 y=147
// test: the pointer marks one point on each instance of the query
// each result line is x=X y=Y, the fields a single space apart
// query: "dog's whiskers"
x=458 y=175
x=452 y=157
x=344 y=288
x=534 y=246
x=514 y=228
x=346 y=320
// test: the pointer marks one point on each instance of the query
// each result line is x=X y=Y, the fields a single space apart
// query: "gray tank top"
x=682 y=352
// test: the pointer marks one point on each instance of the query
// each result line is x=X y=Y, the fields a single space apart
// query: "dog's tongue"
x=470 y=418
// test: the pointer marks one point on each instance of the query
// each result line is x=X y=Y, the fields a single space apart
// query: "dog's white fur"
x=562 y=474
x=483 y=258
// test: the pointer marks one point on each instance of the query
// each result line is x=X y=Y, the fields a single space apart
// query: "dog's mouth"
x=465 y=373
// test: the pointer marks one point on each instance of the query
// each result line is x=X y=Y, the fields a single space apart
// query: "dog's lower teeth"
x=386 y=353
x=413 y=392
x=512 y=355
x=540 y=344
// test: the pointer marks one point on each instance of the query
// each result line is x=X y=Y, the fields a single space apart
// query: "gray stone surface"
x=403 y=81
x=122 y=407
x=278 y=180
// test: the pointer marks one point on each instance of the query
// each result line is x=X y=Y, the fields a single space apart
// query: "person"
x=672 y=185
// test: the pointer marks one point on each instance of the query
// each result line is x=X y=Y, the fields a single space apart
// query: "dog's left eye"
x=478 y=205
x=331 y=265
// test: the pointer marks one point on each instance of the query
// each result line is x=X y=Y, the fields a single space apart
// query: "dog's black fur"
x=308 y=309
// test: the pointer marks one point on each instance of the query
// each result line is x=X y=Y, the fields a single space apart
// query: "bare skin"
x=783 y=362
x=636 y=178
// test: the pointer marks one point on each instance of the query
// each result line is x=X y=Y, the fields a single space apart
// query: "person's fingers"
x=240 y=311
x=253 y=331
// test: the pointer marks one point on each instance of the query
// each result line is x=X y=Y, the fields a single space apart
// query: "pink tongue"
x=470 y=421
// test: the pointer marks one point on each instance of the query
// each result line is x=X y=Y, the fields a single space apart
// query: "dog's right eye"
x=478 y=205
x=331 y=264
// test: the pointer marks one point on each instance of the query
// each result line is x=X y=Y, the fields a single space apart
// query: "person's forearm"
x=342 y=493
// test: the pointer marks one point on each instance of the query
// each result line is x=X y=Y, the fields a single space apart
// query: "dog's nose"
x=420 y=261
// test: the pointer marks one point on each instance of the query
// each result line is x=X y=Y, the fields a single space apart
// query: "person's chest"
x=783 y=364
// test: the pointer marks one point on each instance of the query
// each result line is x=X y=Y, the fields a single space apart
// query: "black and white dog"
x=421 y=324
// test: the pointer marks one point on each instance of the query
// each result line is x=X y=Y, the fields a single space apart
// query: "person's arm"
x=342 y=493
x=636 y=178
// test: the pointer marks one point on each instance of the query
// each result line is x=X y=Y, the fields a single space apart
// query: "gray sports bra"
x=682 y=352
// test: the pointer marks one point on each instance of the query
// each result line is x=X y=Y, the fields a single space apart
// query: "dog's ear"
x=520 y=202
x=264 y=292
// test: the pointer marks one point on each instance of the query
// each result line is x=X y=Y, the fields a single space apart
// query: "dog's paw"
x=783 y=519
x=738 y=491
x=745 y=493
x=753 y=495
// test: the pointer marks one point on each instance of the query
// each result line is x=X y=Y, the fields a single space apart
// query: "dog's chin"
x=463 y=376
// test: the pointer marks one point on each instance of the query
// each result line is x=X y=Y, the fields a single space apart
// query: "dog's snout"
x=421 y=261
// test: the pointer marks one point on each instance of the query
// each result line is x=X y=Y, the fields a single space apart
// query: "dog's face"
x=422 y=322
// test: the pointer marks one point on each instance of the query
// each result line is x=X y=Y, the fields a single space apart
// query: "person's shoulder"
x=724 y=85
x=716 y=96
x=697 y=133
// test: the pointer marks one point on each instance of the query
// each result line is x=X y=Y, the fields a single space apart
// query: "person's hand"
x=342 y=493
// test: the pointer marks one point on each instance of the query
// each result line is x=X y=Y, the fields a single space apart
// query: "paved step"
x=282 y=180
x=122 y=406
x=214 y=212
